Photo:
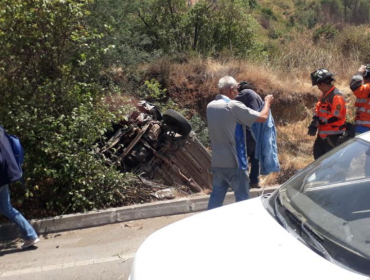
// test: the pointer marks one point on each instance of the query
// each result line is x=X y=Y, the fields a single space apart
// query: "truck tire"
x=177 y=122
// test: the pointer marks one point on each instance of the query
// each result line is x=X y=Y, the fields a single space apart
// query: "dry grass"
x=299 y=56
x=193 y=84
x=286 y=75
x=295 y=149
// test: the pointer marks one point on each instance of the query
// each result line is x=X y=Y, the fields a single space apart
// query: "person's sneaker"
x=254 y=186
x=29 y=243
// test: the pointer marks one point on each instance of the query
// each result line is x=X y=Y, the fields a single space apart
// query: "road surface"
x=99 y=253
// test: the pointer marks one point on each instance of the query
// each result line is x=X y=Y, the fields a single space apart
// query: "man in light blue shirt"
x=227 y=119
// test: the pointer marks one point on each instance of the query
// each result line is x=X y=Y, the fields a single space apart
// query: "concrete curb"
x=122 y=214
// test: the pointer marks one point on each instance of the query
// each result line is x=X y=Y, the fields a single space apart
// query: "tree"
x=207 y=27
x=123 y=29
x=50 y=63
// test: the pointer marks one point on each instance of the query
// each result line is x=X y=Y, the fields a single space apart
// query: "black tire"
x=177 y=122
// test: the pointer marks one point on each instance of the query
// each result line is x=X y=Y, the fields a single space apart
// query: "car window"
x=351 y=162
x=332 y=196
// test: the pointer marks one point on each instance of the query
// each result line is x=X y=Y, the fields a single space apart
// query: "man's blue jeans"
x=223 y=178
x=26 y=230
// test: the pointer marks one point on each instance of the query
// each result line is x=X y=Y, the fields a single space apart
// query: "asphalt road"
x=100 y=253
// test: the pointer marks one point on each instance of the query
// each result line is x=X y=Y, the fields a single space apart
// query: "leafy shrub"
x=200 y=128
x=50 y=63
x=64 y=164
x=207 y=28
x=353 y=40
x=268 y=13
x=119 y=20
x=306 y=14
x=326 y=32
x=274 y=34
x=154 y=91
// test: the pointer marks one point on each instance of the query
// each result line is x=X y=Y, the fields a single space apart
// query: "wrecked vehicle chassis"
x=160 y=149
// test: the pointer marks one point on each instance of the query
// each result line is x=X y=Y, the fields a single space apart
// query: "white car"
x=315 y=226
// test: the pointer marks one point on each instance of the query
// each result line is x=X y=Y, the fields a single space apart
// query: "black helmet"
x=367 y=71
x=321 y=75
x=244 y=85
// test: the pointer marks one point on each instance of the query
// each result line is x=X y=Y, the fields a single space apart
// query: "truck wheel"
x=177 y=122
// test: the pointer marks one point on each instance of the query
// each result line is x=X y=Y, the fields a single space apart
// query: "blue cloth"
x=240 y=143
x=6 y=209
x=361 y=129
x=9 y=170
x=252 y=100
x=223 y=178
x=266 y=146
x=241 y=147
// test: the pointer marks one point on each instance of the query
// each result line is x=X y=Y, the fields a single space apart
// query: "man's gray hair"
x=227 y=82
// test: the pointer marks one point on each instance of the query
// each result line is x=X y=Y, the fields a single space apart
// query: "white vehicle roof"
x=364 y=136
x=235 y=242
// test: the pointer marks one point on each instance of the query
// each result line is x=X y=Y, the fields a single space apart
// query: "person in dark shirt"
x=9 y=173
x=253 y=101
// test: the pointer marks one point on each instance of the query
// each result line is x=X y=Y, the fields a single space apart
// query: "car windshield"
x=332 y=196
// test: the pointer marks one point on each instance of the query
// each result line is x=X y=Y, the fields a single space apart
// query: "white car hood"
x=239 y=241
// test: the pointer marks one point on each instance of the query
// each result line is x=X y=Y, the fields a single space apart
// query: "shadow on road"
x=11 y=247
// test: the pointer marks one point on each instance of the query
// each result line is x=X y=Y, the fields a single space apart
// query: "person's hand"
x=312 y=129
x=362 y=69
x=269 y=98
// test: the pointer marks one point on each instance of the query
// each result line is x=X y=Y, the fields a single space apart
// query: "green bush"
x=50 y=64
x=326 y=32
x=200 y=128
x=268 y=14
x=353 y=40
x=154 y=91
x=61 y=160
x=120 y=22
x=207 y=28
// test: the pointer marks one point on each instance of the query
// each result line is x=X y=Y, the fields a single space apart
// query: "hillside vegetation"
x=68 y=69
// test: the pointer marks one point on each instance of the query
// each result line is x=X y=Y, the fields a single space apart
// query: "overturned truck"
x=160 y=148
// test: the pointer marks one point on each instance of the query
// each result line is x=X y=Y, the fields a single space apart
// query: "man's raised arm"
x=266 y=109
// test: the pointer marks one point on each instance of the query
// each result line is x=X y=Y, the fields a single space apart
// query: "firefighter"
x=330 y=113
x=360 y=85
